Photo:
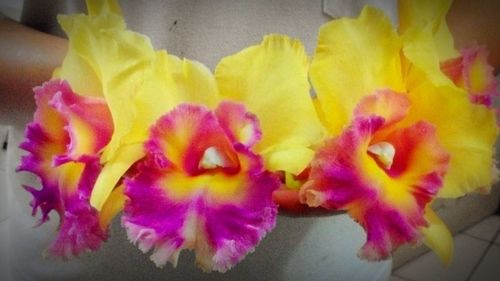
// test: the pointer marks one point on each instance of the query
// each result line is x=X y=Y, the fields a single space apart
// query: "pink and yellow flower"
x=201 y=187
x=64 y=142
x=381 y=173
x=207 y=178
x=75 y=122
x=105 y=59
x=358 y=66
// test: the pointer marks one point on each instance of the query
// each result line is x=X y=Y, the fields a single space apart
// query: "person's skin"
x=28 y=58
x=477 y=22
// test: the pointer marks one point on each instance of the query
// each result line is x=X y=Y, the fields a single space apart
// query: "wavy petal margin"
x=63 y=143
x=200 y=189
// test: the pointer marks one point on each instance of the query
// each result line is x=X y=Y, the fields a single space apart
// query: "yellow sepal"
x=354 y=57
x=437 y=236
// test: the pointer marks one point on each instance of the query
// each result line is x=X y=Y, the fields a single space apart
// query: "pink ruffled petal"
x=218 y=203
x=62 y=151
x=87 y=122
x=349 y=173
x=472 y=72
x=79 y=230
x=240 y=125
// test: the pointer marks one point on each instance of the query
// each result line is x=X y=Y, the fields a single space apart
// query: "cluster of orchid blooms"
x=191 y=159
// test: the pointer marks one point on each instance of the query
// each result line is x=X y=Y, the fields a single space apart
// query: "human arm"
x=27 y=59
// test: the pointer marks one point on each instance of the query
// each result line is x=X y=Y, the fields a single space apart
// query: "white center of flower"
x=384 y=152
x=211 y=159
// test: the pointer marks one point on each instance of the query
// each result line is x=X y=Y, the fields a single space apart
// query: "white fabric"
x=322 y=248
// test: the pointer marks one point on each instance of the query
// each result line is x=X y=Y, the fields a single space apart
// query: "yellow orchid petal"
x=113 y=171
x=467 y=131
x=81 y=66
x=107 y=60
x=422 y=52
x=293 y=159
x=418 y=14
x=271 y=80
x=194 y=82
x=354 y=58
x=100 y=7
x=169 y=82
x=114 y=204
x=444 y=42
x=437 y=236
x=154 y=98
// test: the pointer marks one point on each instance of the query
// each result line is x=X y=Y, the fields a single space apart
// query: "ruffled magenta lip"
x=343 y=175
x=51 y=152
x=220 y=228
x=79 y=229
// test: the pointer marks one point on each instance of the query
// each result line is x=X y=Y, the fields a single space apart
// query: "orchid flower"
x=213 y=148
x=74 y=124
x=382 y=173
x=388 y=107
